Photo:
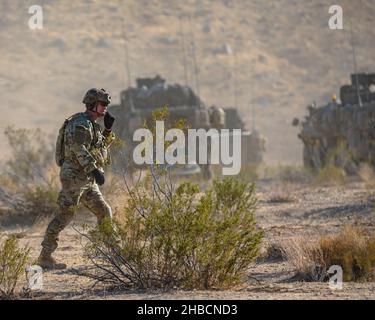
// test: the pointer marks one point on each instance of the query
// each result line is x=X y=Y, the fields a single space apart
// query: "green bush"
x=13 y=260
x=178 y=239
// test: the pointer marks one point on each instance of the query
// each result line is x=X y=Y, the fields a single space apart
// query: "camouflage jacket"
x=86 y=146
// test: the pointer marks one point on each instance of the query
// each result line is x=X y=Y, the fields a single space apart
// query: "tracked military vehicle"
x=342 y=132
x=137 y=105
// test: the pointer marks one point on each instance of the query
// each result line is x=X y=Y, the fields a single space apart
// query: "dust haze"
x=277 y=56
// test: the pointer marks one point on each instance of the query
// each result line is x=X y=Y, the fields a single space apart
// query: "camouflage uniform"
x=85 y=149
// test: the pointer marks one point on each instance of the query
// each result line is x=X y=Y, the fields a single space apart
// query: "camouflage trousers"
x=73 y=192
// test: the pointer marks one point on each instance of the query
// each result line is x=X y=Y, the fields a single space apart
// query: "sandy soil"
x=314 y=210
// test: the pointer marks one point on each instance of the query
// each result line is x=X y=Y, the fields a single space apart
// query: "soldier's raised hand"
x=108 y=120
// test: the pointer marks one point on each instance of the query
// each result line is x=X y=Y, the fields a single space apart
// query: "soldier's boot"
x=50 y=241
x=47 y=262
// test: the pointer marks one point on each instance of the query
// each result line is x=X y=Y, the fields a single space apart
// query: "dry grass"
x=352 y=249
x=248 y=172
x=367 y=175
x=290 y=174
x=306 y=257
x=272 y=251
x=30 y=181
x=281 y=196
x=330 y=175
x=282 y=193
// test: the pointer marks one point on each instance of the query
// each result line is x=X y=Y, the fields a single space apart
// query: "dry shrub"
x=352 y=249
x=13 y=260
x=32 y=152
x=330 y=175
x=367 y=175
x=294 y=174
x=281 y=194
x=272 y=251
x=281 y=197
x=289 y=174
x=305 y=255
x=181 y=238
x=248 y=173
x=29 y=181
x=28 y=205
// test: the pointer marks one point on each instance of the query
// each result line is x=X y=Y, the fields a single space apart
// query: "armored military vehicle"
x=342 y=132
x=137 y=105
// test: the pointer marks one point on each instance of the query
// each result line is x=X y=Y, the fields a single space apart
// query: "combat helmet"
x=94 y=95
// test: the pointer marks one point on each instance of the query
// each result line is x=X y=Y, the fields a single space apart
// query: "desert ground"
x=306 y=211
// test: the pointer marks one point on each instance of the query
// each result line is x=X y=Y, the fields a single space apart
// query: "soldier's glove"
x=98 y=176
x=108 y=121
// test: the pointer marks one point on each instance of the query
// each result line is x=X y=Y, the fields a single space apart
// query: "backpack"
x=60 y=146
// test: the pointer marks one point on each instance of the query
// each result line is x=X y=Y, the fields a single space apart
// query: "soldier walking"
x=82 y=151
